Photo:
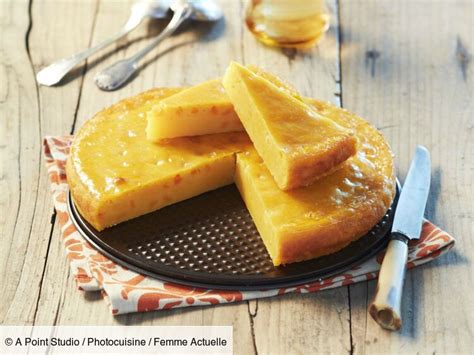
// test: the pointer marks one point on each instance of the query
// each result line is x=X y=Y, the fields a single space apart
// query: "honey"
x=288 y=23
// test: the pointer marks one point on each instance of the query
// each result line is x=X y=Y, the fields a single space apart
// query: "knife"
x=385 y=308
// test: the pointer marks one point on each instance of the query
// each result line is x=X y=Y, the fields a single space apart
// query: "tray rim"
x=192 y=278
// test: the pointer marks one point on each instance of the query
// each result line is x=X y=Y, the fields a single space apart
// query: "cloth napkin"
x=126 y=291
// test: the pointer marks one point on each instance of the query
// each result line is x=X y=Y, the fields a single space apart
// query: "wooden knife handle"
x=385 y=308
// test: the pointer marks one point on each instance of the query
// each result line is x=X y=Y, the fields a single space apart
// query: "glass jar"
x=287 y=23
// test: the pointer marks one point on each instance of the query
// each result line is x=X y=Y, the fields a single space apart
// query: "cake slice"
x=297 y=144
x=199 y=110
x=116 y=174
x=322 y=218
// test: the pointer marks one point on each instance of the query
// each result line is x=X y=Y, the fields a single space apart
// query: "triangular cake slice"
x=199 y=110
x=326 y=216
x=297 y=144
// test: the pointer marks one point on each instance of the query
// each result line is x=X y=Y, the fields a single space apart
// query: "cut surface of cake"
x=297 y=144
x=116 y=174
x=199 y=110
x=326 y=216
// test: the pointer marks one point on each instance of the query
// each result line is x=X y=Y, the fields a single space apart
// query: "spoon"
x=116 y=75
x=141 y=9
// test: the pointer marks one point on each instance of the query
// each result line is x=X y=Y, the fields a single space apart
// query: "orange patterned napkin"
x=126 y=291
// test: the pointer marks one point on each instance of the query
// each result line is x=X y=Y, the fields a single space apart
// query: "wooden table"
x=406 y=66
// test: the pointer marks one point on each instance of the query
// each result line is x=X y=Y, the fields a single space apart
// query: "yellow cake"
x=323 y=218
x=297 y=144
x=198 y=110
x=201 y=109
x=116 y=174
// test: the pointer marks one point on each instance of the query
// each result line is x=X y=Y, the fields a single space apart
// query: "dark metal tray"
x=211 y=241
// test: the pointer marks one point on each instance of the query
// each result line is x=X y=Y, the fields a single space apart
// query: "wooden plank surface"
x=25 y=200
x=405 y=66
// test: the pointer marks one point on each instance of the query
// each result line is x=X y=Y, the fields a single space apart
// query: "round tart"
x=116 y=174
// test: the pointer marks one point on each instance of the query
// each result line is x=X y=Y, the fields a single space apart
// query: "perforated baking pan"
x=211 y=241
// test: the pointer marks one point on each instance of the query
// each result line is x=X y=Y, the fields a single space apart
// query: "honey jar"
x=287 y=23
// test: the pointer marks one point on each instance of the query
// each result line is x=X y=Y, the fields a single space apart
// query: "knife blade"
x=412 y=202
x=386 y=306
